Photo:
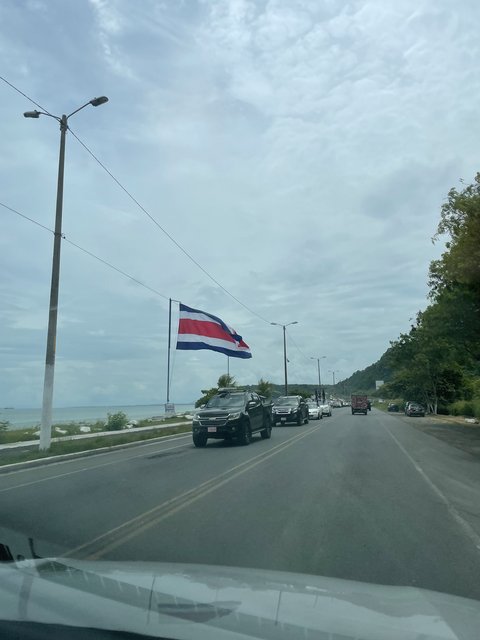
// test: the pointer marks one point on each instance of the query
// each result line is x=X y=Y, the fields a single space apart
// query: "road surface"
x=368 y=498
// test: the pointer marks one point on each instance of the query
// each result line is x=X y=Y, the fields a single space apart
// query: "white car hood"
x=208 y=602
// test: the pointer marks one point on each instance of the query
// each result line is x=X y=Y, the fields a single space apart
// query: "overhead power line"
x=296 y=346
x=89 y=253
x=165 y=232
x=142 y=208
x=24 y=95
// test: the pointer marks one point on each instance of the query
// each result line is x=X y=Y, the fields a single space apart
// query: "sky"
x=299 y=151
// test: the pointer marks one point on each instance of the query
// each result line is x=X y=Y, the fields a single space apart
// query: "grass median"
x=89 y=444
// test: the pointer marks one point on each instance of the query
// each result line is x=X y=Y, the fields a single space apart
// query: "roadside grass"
x=89 y=444
x=65 y=429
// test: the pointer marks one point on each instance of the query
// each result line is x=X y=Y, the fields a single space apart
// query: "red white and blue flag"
x=200 y=330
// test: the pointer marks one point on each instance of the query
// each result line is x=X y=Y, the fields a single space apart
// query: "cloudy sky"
x=298 y=150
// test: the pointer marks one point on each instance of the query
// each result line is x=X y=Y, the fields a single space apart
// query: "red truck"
x=359 y=404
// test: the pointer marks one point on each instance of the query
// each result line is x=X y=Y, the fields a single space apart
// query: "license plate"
x=283 y=419
x=212 y=429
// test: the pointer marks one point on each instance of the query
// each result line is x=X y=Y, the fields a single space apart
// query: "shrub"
x=463 y=408
x=443 y=410
x=116 y=421
x=4 y=424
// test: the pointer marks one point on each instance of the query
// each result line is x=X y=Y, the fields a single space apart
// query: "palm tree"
x=264 y=388
x=226 y=380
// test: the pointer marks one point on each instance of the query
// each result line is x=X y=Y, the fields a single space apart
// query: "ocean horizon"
x=24 y=418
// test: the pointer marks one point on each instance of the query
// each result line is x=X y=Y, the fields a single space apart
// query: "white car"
x=314 y=410
x=326 y=409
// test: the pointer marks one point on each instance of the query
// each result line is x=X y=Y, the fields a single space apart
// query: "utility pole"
x=284 y=326
x=46 y=424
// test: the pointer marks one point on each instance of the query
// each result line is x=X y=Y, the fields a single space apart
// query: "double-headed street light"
x=46 y=425
x=284 y=349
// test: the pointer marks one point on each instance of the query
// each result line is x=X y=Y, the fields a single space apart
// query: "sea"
x=24 y=418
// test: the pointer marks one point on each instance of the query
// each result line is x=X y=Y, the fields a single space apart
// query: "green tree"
x=424 y=363
x=438 y=362
x=460 y=263
x=264 y=388
x=225 y=380
x=297 y=391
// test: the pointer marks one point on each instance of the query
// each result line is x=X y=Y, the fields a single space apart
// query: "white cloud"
x=299 y=151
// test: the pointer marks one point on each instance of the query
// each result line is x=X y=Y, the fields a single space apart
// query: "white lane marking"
x=90 y=468
x=467 y=528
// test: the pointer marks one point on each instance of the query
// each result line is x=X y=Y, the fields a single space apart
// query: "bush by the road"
x=116 y=421
x=469 y=408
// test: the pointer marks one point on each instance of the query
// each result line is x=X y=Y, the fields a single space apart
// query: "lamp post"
x=284 y=326
x=46 y=425
x=333 y=372
x=318 y=365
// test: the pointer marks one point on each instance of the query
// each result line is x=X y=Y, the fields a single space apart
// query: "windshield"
x=211 y=213
x=226 y=401
x=286 y=401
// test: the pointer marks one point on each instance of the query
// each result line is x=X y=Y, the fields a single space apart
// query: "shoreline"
x=87 y=428
x=18 y=419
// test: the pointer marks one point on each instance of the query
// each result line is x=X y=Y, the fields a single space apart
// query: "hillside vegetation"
x=437 y=361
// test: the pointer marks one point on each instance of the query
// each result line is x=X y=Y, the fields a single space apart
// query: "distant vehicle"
x=232 y=415
x=393 y=407
x=415 y=409
x=290 y=409
x=326 y=409
x=359 y=404
x=314 y=410
x=406 y=406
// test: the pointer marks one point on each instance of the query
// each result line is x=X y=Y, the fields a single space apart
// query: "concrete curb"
x=86 y=436
x=29 y=464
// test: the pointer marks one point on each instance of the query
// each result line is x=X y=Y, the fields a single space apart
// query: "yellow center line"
x=110 y=540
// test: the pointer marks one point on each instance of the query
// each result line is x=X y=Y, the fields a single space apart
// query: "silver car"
x=314 y=410
x=326 y=409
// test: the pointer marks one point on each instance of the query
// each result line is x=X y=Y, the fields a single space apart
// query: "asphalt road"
x=368 y=498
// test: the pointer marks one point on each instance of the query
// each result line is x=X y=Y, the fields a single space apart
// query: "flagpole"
x=228 y=365
x=169 y=345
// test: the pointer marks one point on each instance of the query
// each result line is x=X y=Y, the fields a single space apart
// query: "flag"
x=200 y=330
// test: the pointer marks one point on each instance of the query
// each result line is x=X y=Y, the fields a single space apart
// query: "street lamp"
x=333 y=374
x=284 y=349
x=318 y=365
x=46 y=425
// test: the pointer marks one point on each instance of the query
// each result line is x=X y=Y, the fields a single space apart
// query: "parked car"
x=415 y=409
x=393 y=407
x=232 y=414
x=314 y=410
x=409 y=402
x=290 y=409
x=326 y=409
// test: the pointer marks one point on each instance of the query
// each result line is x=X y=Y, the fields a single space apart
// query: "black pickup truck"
x=232 y=414
x=290 y=409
